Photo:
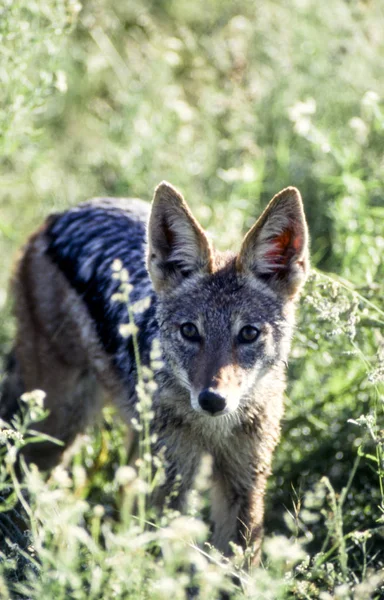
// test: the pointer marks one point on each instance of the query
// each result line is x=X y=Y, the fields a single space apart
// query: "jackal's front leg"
x=181 y=460
x=238 y=506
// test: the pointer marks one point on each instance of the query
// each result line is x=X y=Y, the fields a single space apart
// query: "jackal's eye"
x=248 y=334
x=190 y=332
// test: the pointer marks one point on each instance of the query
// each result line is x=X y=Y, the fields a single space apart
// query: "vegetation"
x=230 y=101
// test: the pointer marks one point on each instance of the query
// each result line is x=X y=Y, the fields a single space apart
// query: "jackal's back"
x=83 y=243
x=68 y=322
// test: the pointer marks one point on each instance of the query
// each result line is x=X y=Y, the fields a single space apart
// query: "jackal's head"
x=225 y=320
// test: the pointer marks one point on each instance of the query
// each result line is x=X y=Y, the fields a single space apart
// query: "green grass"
x=230 y=101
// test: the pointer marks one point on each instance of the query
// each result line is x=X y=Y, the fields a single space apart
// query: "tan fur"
x=58 y=351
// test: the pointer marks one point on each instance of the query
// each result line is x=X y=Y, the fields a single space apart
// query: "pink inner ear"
x=284 y=247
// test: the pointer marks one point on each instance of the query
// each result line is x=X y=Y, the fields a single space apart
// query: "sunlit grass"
x=230 y=102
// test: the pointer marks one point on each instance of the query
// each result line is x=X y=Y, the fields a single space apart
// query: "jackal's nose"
x=211 y=402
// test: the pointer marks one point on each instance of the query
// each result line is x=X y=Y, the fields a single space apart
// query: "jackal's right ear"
x=177 y=245
x=275 y=249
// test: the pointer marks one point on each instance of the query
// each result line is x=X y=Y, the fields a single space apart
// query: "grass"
x=230 y=101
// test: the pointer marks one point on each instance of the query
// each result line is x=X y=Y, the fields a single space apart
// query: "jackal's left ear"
x=276 y=248
x=177 y=245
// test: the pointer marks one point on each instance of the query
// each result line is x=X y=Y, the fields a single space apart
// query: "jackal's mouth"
x=222 y=413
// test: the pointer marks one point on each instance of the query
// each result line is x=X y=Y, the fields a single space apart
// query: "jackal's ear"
x=275 y=249
x=177 y=245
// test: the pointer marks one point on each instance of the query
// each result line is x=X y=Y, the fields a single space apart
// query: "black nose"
x=211 y=402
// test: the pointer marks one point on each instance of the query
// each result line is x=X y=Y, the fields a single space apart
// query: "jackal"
x=223 y=320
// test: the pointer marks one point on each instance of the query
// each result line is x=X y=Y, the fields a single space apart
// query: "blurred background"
x=229 y=100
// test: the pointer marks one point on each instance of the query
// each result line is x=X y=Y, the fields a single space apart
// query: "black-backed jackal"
x=223 y=321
